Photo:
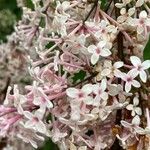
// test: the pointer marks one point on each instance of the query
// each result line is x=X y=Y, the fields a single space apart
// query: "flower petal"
x=40 y=126
x=136 y=84
x=104 y=96
x=146 y=64
x=127 y=87
x=94 y=59
x=91 y=48
x=136 y=120
x=125 y=124
x=88 y=88
x=103 y=84
x=88 y=100
x=105 y=52
x=101 y=44
x=135 y=60
x=72 y=92
x=143 y=76
x=118 y=64
x=139 y=3
x=138 y=111
x=105 y=72
x=129 y=107
x=135 y=101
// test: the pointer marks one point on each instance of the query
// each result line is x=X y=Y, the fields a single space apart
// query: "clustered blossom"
x=110 y=103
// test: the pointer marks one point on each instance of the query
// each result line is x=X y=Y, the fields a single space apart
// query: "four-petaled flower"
x=99 y=91
x=35 y=121
x=99 y=50
x=139 y=67
x=142 y=23
x=81 y=94
x=130 y=81
x=133 y=107
x=111 y=70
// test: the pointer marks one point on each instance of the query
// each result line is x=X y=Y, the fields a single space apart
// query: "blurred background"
x=10 y=13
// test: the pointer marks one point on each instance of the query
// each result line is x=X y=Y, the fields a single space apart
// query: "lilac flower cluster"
x=110 y=104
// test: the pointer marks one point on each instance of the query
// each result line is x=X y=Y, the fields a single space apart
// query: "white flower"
x=105 y=29
x=35 y=121
x=99 y=90
x=29 y=136
x=39 y=97
x=126 y=16
x=81 y=94
x=111 y=70
x=129 y=79
x=139 y=67
x=97 y=51
x=103 y=111
x=117 y=89
x=134 y=125
x=142 y=23
x=75 y=44
x=135 y=110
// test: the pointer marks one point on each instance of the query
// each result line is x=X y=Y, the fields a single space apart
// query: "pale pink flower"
x=130 y=81
x=142 y=23
x=29 y=136
x=99 y=91
x=134 y=126
x=81 y=94
x=139 y=67
x=35 y=121
x=97 y=51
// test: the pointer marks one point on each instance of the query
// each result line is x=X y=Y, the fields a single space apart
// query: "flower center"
x=129 y=79
x=141 y=21
x=35 y=119
x=98 y=51
x=139 y=68
x=81 y=95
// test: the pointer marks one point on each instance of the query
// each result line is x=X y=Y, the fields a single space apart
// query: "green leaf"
x=79 y=76
x=49 y=145
x=147 y=50
x=103 y=3
x=29 y=4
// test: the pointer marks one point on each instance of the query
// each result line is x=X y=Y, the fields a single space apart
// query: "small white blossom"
x=133 y=107
x=99 y=90
x=35 y=121
x=130 y=81
x=81 y=94
x=139 y=67
x=97 y=51
x=142 y=23
x=111 y=70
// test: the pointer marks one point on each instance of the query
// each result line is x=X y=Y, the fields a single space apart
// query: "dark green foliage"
x=29 y=4
x=103 y=3
x=49 y=145
x=147 y=50
x=79 y=76
x=9 y=14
